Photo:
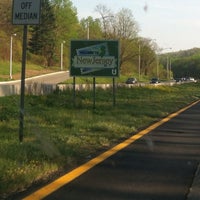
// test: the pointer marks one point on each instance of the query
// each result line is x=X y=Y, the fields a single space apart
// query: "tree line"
x=60 y=24
x=184 y=64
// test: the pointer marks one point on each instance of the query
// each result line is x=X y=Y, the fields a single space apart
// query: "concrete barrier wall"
x=7 y=90
x=34 y=89
x=42 y=88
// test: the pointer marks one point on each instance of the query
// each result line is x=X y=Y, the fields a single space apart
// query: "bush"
x=36 y=59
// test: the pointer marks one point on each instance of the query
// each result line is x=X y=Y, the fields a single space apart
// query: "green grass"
x=16 y=70
x=89 y=80
x=59 y=136
x=100 y=80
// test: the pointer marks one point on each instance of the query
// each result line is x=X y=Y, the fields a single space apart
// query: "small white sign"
x=26 y=12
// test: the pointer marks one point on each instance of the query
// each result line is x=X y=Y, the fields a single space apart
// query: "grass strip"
x=59 y=136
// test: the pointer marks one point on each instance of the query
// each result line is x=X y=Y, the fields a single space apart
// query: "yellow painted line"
x=58 y=183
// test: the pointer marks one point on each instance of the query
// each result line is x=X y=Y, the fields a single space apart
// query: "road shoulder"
x=194 y=193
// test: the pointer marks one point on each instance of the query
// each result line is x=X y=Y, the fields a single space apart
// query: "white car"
x=191 y=79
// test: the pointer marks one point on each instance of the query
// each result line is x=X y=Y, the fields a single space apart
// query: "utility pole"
x=11 y=53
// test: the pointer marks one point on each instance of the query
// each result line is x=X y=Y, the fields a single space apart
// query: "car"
x=154 y=81
x=131 y=81
x=178 y=80
x=191 y=79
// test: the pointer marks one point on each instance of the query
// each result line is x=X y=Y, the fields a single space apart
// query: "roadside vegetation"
x=59 y=136
x=61 y=24
x=31 y=70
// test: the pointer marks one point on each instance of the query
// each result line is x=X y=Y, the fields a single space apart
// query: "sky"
x=173 y=24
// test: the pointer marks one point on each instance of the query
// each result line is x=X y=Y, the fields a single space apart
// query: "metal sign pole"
x=21 y=117
x=114 y=93
x=74 y=91
x=24 y=12
x=94 y=93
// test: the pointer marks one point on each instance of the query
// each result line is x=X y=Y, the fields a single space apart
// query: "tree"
x=43 y=37
x=91 y=28
x=148 y=56
x=67 y=26
x=106 y=16
x=5 y=15
x=123 y=27
x=7 y=30
x=185 y=63
x=187 y=67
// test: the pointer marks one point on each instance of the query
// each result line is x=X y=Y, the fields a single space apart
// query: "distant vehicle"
x=131 y=81
x=181 y=79
x=154 y=81
x=191 y=79
x=178 y=80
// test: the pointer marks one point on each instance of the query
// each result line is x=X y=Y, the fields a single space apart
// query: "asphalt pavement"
x=45 y=83
x=158 y=163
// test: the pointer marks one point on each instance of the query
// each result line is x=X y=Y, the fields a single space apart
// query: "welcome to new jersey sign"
x=94 y=58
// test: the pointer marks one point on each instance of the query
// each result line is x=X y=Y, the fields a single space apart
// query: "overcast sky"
x=172 y=23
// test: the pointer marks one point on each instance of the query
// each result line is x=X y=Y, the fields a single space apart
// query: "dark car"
x=154 y=81
x=178 y=80
x=131 y=81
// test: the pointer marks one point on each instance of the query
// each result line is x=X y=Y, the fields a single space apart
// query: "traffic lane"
x=161 y=165
x=134 y=174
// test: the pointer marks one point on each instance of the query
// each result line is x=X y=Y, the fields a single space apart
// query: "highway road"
x=47 y=83
x=13 y=87
x=158 y=163
x=52 y=78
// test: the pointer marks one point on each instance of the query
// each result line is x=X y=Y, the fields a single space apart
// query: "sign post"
x=25 y=12
x=23 y=73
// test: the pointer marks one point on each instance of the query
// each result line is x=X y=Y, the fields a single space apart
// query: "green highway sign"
x=94 y=58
